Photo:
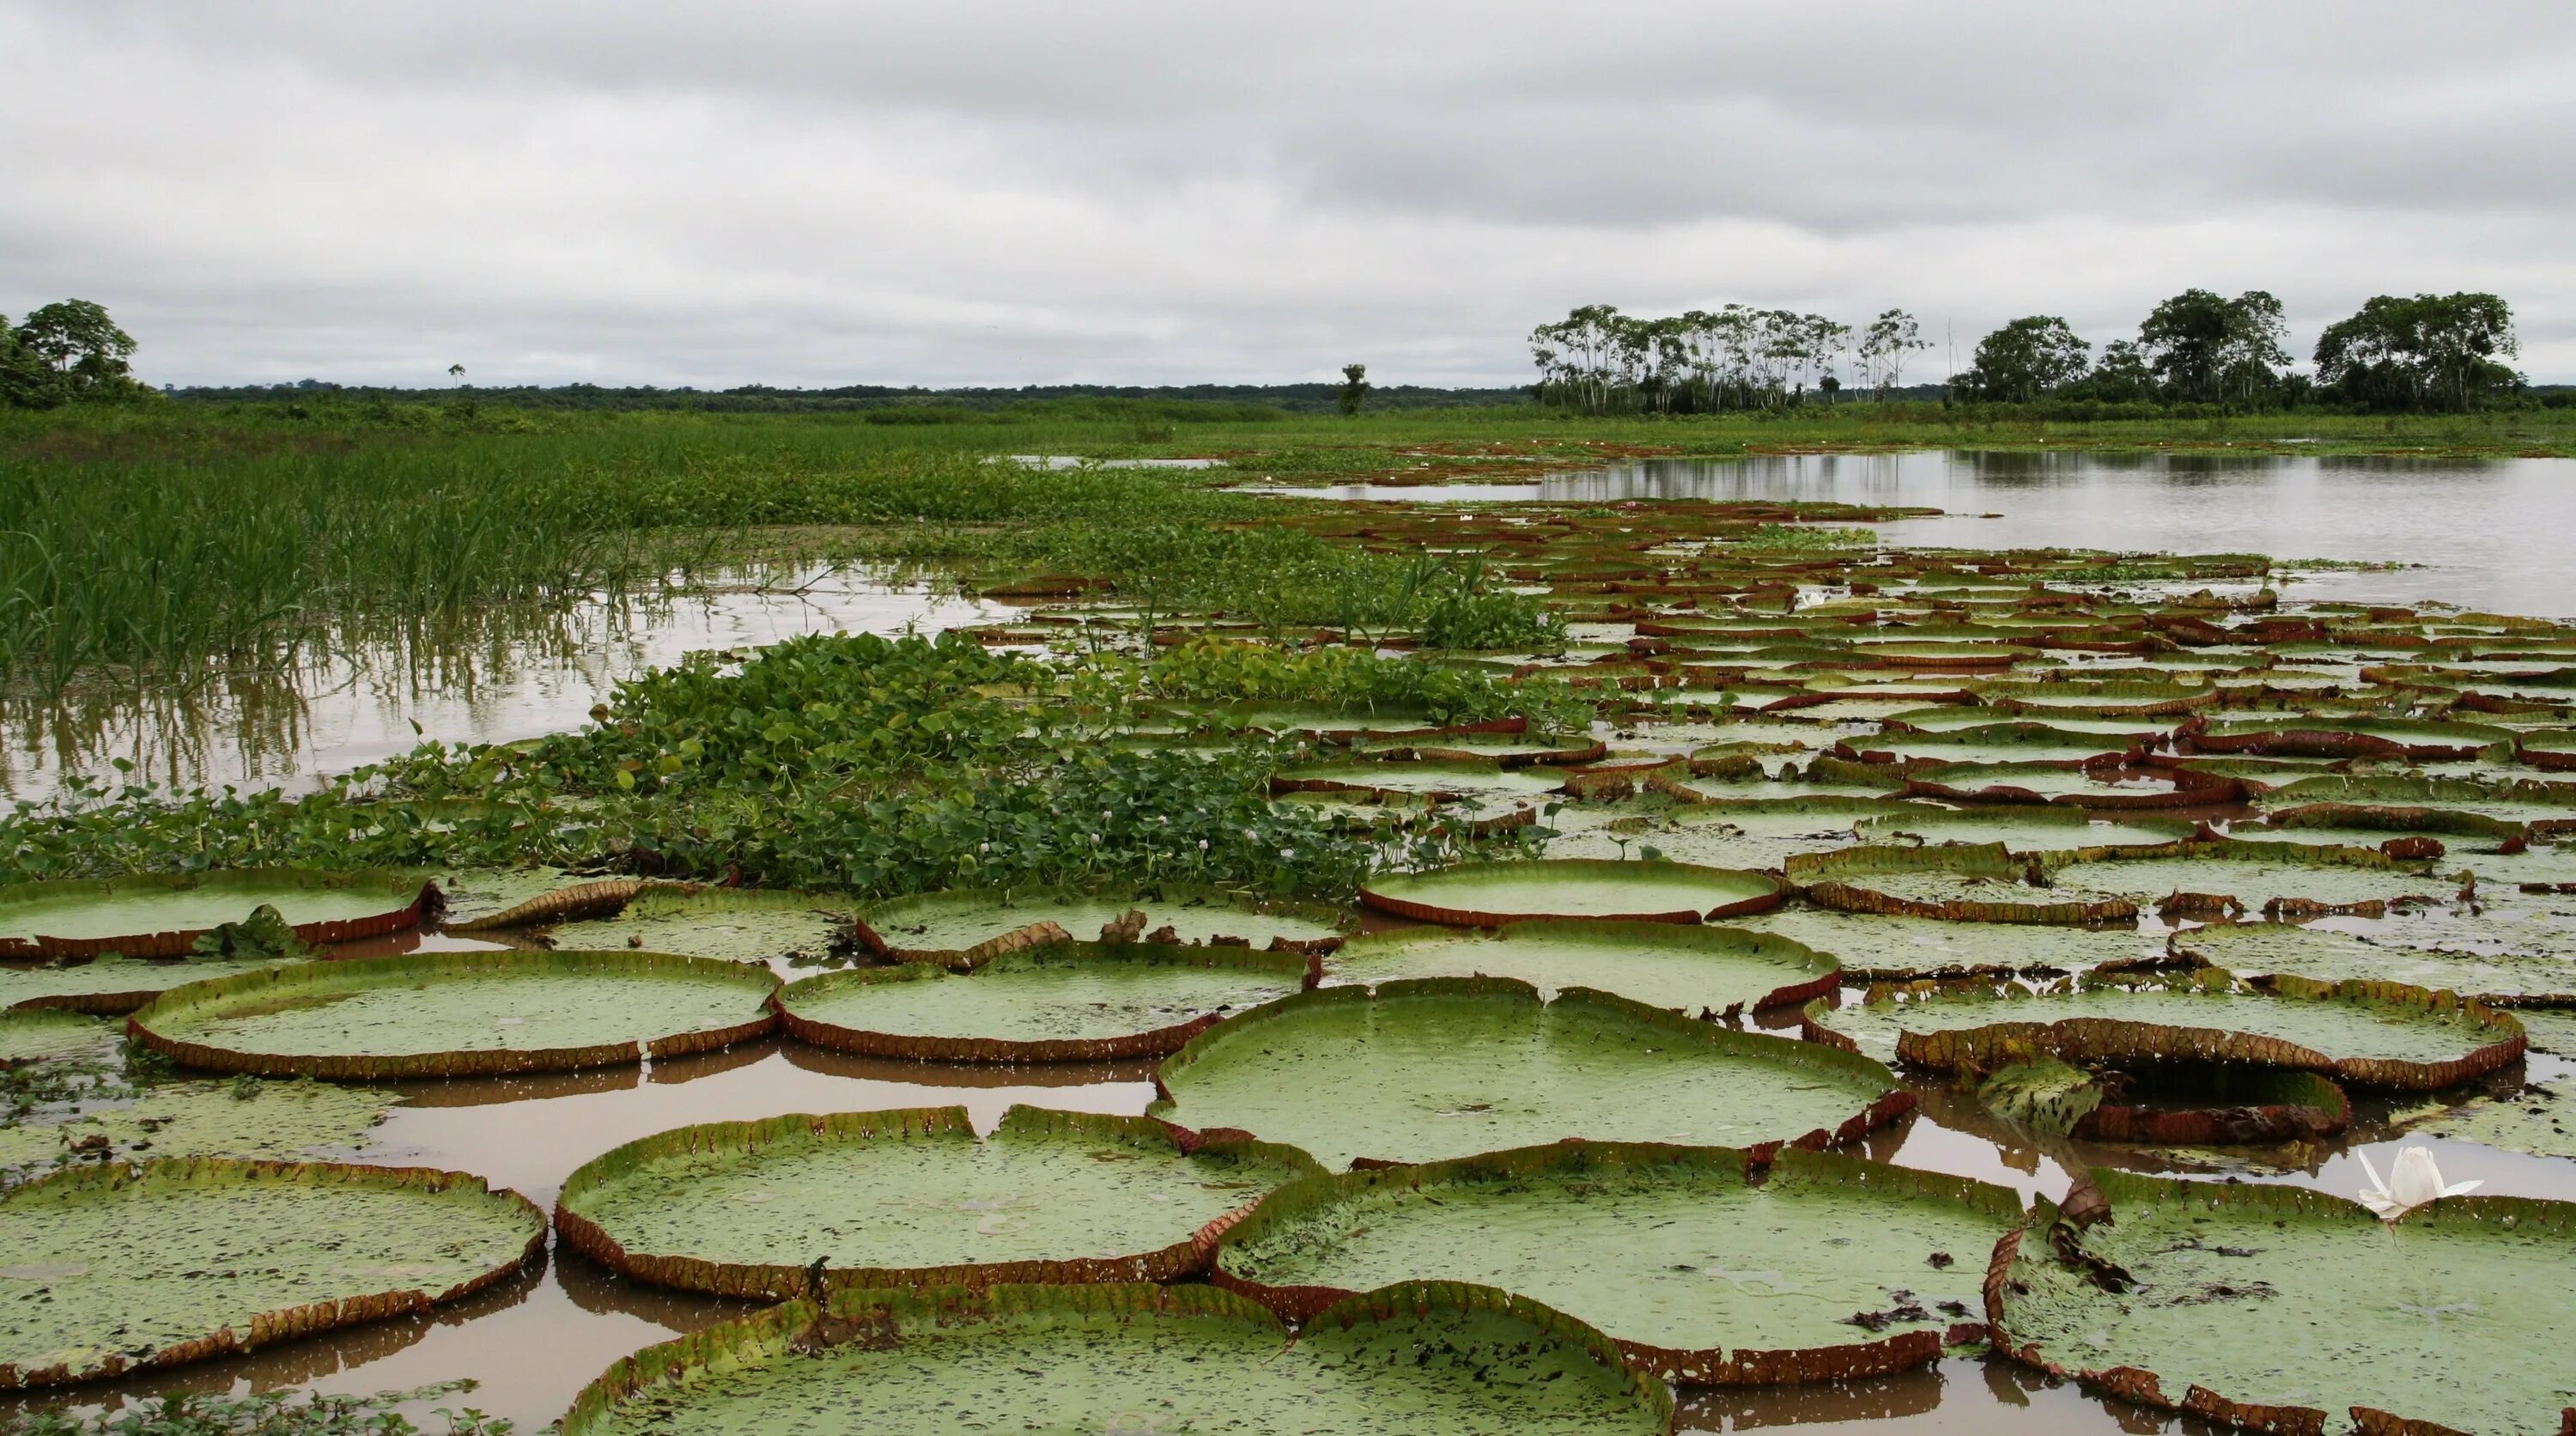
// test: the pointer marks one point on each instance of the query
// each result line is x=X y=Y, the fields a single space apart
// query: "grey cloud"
x=795 y=190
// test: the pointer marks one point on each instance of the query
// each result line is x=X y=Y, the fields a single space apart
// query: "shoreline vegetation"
x=145 y=543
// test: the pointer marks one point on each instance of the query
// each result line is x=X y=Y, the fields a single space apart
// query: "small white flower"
x=1287 y=853
x=1095 y=840
x=1202 y=845
x=2417 y=1180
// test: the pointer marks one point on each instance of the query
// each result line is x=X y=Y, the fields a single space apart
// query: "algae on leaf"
x=1440 y=1067
x=1425 y=1361
x=109 y=1269
x=2267 y=1296
x=1884 y=948
x=912 y=1198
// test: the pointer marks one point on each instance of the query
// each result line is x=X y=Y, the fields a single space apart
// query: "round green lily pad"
x=105 y=1270
x=2322 y=955
x=42 y=1034
x=1065 y=1002
x=1491 y=894
x=1422 y=1360
x=1705 y=1267
x=1446 y=1067
x=164 y=914
x=112 y=985
x=2029 y=829
x=1875 y=948
x=1954 y=883
x=2289 y=1310
x=979 y=922
x=1686 y=969
x=2295 y=878
x=279 y=1121
x=459 y=1014
x=2537 y=1118
x=736 y=924
x=2374 y=1034
x=912 y=1198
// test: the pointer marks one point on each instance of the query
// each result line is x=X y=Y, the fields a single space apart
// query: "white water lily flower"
x=2417 y=1180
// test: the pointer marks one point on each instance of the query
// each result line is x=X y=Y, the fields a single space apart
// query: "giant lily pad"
x=965 y=925
x=1955 y=883
x=736 y=924
x=2284 y=1310
x=1705 y=1267
x=2325 y=956
x=41 y=1035
x=2373 y=1034
x=1440 y=1067
x=165 y=914
x=1874 y=948
x=1426 y=1360
x=459 y=1014
x=1063 y=1002
x=2188 y=1104
x=1491 y=894
x=105 y=1270
x=2233 y=876
x=912 y=1198
x=1686 y=969
x=2537 y=1118
x=2049 y=830
x=272 y=1120
x=112 y=985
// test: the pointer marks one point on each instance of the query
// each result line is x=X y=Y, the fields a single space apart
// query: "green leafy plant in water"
x=263 y=934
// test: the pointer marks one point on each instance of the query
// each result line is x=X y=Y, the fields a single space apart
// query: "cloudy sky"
x=990 y=191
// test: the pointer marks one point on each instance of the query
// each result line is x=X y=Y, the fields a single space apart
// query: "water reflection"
x=352 y=697
x=2489 y=534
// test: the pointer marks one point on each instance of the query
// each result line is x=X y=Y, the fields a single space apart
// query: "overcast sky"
x=971 y=191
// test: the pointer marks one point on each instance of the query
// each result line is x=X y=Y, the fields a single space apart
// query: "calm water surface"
x=2491 y=534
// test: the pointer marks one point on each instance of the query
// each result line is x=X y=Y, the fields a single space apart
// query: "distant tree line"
x=886 y=404
x=1600 y=361
x=2432 y=352
x=68 y=352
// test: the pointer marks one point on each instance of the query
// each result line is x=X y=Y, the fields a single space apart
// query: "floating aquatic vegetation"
x=914 y=1198
x=1438 y=1067
x=1433 y=1359
x=1958 y=883
x=106 y=1270
x=1054 y=1002
x=1492 y=894
x=111 y=985
x=241 y=1117
x=1707 y=1267
x=2283 y=1309
x=458 y=1014
x=167 y=915
x=735 y=924
x=967 y=925
x=1705 y=970
x=2373 y=1034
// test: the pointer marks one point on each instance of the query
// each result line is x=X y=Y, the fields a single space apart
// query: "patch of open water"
x=497 y=679
x=2490 y=534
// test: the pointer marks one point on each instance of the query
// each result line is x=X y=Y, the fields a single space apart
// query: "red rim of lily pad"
x=486 y=1062
x=1306 y=969
x=423 y=907
x=285 y=1323
x=1374 y=893
x=1693 y=1366
x=777 y=1282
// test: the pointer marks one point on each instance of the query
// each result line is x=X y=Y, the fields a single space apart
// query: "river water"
x=2490 y=534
